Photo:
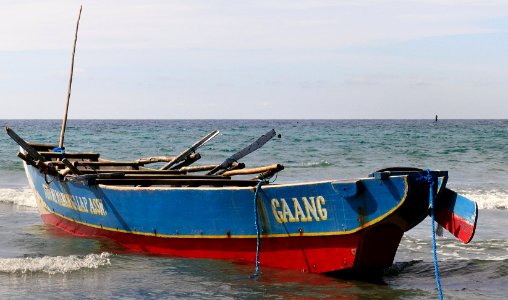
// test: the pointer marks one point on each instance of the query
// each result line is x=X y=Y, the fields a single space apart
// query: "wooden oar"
x=186 y=153
x=240 y=154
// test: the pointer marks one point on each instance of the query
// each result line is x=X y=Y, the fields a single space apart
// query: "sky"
x=287 y=59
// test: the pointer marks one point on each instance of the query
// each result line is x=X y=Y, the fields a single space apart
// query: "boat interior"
x=143 y=172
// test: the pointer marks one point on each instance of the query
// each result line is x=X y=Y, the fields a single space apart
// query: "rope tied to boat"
x=264 y=180
x=256 y=225
x=432 y=181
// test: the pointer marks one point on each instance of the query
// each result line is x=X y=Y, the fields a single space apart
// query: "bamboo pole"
x=276 y=168
x=191 y=169
x=64 y=121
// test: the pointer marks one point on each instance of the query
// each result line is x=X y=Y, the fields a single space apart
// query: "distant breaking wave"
x=491 y=199
x=53 y=265
x=317 y=164
x=18 y=196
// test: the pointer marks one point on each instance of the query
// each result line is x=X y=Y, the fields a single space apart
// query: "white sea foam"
x=18 y=196
x=54 y=265
x=491 y=199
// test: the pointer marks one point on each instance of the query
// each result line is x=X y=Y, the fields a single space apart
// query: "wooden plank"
x=98 y=163
x=188 y=161
x=71 y=167
x=38 y=146
x=108 y=163
x=64 y=172
x=234 y=166
x=154 y=159
x=27 y=159
x=172 y=176
x=82 y=155
x=176 y=182
x=267 y=174
x=91 y=177
x=133 y=171
x=124 y=176
x=198 y=168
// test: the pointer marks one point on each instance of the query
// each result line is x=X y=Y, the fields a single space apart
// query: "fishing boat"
x=214 y=211
x=228 y=211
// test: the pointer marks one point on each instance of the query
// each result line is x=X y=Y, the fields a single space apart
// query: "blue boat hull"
x=312 y=227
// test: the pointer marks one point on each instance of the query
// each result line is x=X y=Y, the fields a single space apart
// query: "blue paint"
x=216 y=211
x=462 y=207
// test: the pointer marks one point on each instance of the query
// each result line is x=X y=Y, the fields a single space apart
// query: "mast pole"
x=64 y=121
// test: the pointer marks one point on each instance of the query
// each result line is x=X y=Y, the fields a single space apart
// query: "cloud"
x=29 y=25
x=344 y=59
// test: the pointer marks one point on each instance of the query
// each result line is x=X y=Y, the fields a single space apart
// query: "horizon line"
x=241 y=119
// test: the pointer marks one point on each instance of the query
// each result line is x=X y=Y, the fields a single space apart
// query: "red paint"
x=316 y=254
x=456 y=225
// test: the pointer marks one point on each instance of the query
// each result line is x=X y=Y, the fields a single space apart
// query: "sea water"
x=41 y=262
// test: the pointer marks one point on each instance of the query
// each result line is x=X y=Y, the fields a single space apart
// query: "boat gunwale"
x=252 y=188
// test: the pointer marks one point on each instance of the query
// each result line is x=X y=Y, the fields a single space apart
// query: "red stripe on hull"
x=316 y=254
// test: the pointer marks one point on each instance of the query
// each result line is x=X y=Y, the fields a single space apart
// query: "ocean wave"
x=493 y=199
x=313 y=164
x=18 y=196
x=53 y=265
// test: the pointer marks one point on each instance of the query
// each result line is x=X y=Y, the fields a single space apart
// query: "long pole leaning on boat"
x=247 y=150
x=64 y=121
x=192 y=149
